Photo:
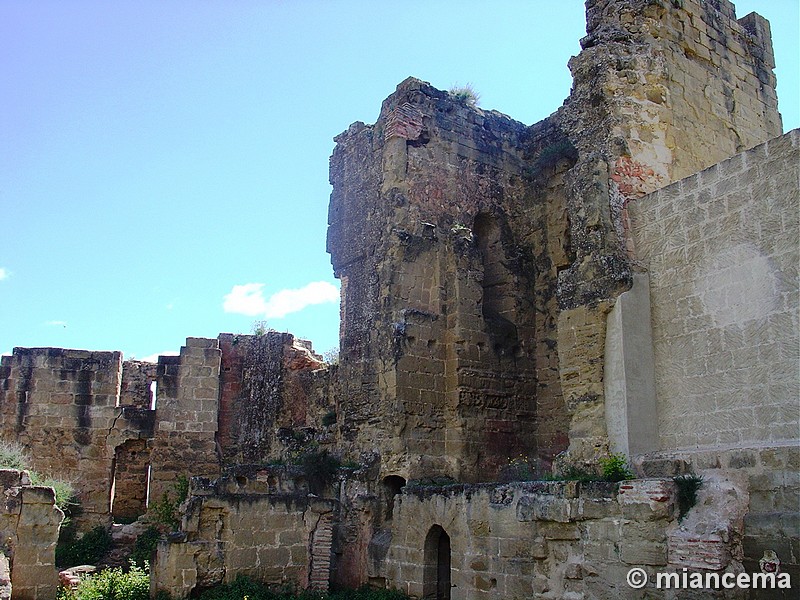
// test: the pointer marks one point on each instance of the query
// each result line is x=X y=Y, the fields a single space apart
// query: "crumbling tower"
x=479 y=257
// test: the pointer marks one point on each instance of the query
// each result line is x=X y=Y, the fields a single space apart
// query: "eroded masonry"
x=517 y=301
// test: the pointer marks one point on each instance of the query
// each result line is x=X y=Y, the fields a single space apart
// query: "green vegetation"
x=572 y=473
x=520 y=468
x=166 y=510
x=111 y=584
x=87 y=549
x=329 y=418
x=688 y=486
x=13 y=456
x=615 y=468
x=465 y=93
x=261 y=328
x=331 y=356
x=244 y=587
x=320 y=468
x=550 y=155
x=145 y=546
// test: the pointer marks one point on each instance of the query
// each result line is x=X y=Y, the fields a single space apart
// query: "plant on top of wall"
x=244 y=587
x=320 y=468
x=615 y=468
x=688 y=486
x=465 y=93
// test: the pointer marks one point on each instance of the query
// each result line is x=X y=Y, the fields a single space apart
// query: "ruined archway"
x=436 y=576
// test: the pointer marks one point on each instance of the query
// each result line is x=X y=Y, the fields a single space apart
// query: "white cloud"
x=4 y=273
x=248 y=299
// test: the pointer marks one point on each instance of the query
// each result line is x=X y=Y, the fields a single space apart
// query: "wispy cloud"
x=56 y=323
x=248 y=299
x=4 y=273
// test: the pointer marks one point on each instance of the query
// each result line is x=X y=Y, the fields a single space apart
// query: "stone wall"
x=660 y=90
x=184 y=441
x=273 y=394
x=534 y=539
x=63 y=407
x=29 y=524
x=721 y=251
x=263 y=526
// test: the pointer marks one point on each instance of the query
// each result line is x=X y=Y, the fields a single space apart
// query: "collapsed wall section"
x=274 y=393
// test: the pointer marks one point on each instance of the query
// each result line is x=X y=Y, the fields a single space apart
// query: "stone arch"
x=436 y=575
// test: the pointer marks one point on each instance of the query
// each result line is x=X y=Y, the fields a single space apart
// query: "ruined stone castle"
x=621 y=277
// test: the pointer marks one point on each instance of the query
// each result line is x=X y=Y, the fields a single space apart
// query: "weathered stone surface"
x=481 y=264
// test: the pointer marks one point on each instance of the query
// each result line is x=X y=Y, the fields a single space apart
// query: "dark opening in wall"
x=436 y=574
x=499 y=298
x=392 y=486
x=129 y=484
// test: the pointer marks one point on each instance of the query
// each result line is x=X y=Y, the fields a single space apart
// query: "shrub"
x=520 y=468
x=13 y=456
x=572 y=473
x=320 y=468
x=465 y=93
x=64 y=490
x=145 y=546
x=688 y=486
x=166 y=509
x=550 y=155
x=615 y=468
x=85 y=550
x=111 y=584
x=329 y=418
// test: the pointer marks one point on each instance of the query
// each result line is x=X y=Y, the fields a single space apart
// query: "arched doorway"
x=436 y=578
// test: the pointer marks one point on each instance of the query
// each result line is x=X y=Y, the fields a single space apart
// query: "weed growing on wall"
x=145 y=546
x=12 y=456
x=320 y=468
x=166 y=509
x=688 y=486
x=465 y=93
x=615 y=468
x=520 y=468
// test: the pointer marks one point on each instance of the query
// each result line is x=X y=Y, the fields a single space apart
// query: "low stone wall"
x=769 y=477
x=29 y=524
x=259 y=526
x=535 y=539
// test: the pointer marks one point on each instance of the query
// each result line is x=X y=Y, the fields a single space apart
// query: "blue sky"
x=164 y=164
